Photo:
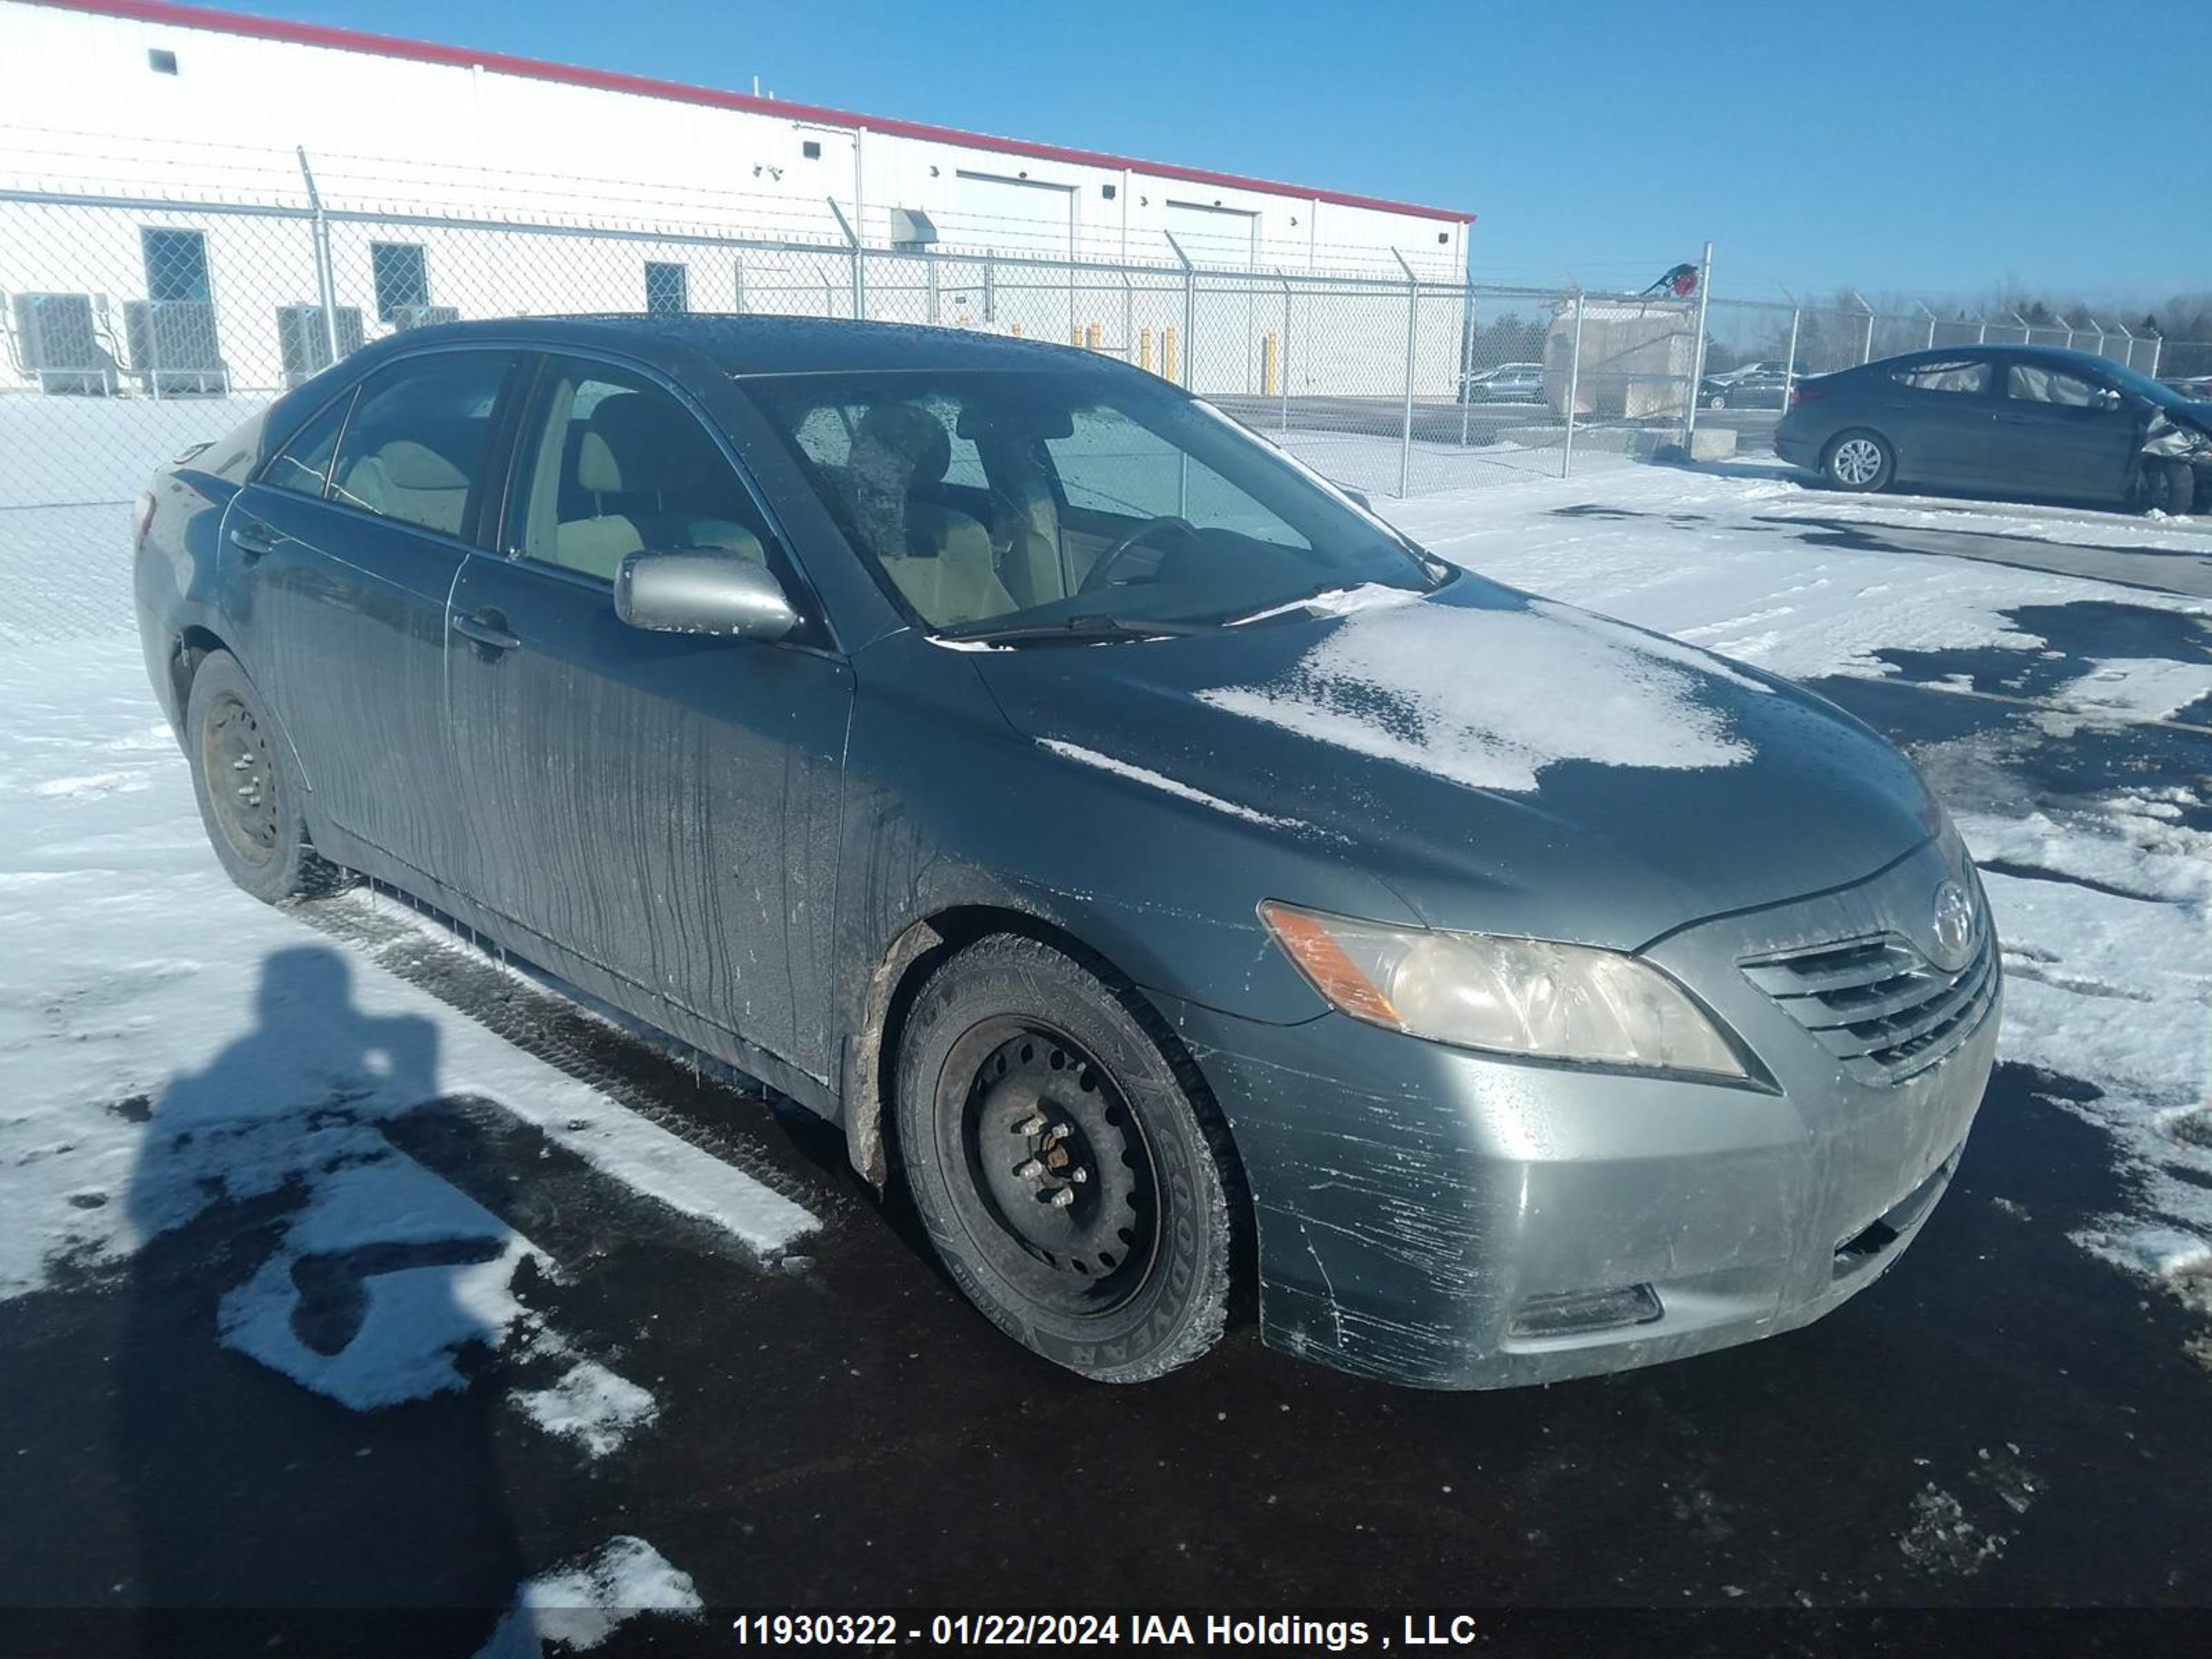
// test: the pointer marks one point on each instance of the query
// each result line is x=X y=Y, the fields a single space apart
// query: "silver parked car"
x=1159 y=864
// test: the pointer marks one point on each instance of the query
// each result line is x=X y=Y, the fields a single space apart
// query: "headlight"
x=1512 y=996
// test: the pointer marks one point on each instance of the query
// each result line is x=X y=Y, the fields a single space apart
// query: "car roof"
x=749 y=344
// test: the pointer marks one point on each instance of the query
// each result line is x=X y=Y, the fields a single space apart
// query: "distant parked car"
x=2018 y=419
x=1161 y=866
x=1751 y=386
x=1509 y=383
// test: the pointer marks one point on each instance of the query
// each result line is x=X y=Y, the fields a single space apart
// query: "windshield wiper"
x=1075 y=630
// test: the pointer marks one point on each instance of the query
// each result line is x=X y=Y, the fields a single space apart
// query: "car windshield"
x=994 y=503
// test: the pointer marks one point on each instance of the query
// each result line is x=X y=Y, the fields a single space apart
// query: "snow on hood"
x=1489 y=698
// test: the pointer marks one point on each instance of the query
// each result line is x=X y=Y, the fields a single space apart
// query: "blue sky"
x=1938 y=148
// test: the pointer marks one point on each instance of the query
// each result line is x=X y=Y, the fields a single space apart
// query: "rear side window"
x=1970 y=379
x=416 y=447
x=302 y=467
x=2033 y=382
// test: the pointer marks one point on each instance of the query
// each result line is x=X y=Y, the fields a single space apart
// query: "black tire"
x=1012 y=1053
x=252 y=798
x=1858 y=461
x=2168 y=487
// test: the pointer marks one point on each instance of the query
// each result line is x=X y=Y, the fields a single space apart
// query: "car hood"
x=1502 y=762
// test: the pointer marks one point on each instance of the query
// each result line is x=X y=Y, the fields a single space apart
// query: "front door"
x=2062 y=433
x=336 y=564
x=662 y=805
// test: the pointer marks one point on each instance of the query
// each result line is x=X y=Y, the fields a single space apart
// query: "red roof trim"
x=425 y=52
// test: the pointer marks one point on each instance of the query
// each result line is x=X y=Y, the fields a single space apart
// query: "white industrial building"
x=154 y=200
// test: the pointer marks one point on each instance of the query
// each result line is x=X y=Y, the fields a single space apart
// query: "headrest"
x=409 y=466
x=636 y=443
x=916 y=438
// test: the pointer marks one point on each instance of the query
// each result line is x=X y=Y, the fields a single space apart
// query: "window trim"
x=818 y=633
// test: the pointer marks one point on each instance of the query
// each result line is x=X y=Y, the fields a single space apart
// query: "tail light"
x=1805 y=394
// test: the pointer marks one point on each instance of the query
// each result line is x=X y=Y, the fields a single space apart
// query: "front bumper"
x=1414 y=1200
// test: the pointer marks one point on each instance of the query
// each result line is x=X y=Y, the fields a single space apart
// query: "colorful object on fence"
x=1145 y=350
x=1682 y=282
x=1168 y=352
x=1268 y=350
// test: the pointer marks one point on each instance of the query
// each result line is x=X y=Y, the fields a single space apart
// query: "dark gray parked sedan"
x=2032 y=421
x=1164 y=868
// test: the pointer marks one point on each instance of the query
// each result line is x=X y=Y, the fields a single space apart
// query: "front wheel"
x=1859 y=460
x=2168 y=487
x=252 y=799
x=1070 y=1173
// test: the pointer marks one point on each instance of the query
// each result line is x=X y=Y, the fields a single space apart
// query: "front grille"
x=1878 y=1004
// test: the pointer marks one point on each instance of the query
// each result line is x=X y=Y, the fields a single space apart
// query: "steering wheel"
x=1095 y=577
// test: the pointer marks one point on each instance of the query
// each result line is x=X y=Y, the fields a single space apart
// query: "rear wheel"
x=1859 y=460
x=1070 y=1174
x=252 y=798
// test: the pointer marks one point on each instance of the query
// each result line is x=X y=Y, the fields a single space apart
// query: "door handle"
x=488 y=628
x=252 y=537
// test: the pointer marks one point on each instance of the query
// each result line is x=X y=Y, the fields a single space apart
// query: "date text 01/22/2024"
x=1227 y=1632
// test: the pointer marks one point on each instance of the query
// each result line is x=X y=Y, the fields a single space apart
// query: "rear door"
x=1940 y=413
x=2062 y=433
x=662 y=805
x=338 y=561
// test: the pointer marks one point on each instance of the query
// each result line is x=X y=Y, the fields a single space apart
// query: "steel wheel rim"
x=1858 y=460
x=241 y=768
x=1058 y=1183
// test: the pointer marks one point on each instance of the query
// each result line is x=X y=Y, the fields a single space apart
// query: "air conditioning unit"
x=423 y=316
x=304 y=343
x=59 y=344
x=172 y=346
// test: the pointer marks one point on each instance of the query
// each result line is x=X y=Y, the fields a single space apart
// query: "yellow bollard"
x=1014 y=329
x=1145 y=350
x=1267 y=365
x=1167 y=352
x=1074 y=335
x=1090 y=336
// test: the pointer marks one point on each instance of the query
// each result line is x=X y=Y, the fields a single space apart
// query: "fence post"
x=326 y=287
x=1190 y=312
x=2130 y=360
x=1698 y=349
x=929 y=264
x=1931 y=325
x=1283 y=368
x=2157 y=346
x=1467 y=360
x=1574 y=390
x=1866 y=340
x=990 y=287
x=1981 y=330
x=1412 y=333
x=1789 y=361
x=859 y=279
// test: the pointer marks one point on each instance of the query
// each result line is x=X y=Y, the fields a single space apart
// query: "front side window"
x=302 y=467
x=997 y=502
x=1970 y=379
x=416 y=447
x=401 y=271
x=2034 y=383
x=620 y=466
x=176 y=264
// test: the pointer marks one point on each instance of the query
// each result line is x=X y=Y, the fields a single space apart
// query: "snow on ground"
x=166 y=1043
x=576 y=1607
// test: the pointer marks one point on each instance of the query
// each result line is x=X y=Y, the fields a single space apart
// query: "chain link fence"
x=136 y=324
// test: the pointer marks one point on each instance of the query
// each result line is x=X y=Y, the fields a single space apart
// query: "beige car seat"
x=939 y=558
x=650 y=470
x=409 y=481
x=1026 y=523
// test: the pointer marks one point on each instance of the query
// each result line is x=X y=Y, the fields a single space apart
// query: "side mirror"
x=1358 y=498
x=2107 y=398
x=689 y=591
